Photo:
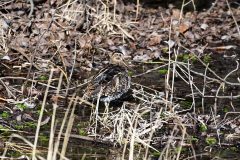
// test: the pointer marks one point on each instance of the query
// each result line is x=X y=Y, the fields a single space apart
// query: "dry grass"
x=99 y=18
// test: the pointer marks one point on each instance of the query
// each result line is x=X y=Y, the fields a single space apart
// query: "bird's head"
x=117 y=58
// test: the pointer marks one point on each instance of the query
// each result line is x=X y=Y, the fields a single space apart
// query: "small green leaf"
x=186 y=104
x=5 y=130
x=207 y=58
x=82 y=132
x=19 y=127
x=165 y=50
x=163 y=71
x=194 y=139
x=225 y=109
x=43 y=78
x=4 y=115
x=193 y=57
x=43 y=138
x=233 y=149
x=130 y=73
x=32 y=125
x=156 y=154
x=186 y=57
x=21 y=106
x=203 y=127
x=211 y=140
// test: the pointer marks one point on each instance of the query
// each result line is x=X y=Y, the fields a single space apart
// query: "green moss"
x=211 y=140
x=162 y=71
x=203 y=127
x=156 y=154
x=19 y=127
x=82 y=132
x=165 y=50
x=130 y=73
x=187 y=57
x=194 y=139
x=4 y=130
x=32 y=125
x=25 y=125
x=235 y=149
x=207 y=58
x=182 y=149
x=13 y=153
x=186 y=104
x=225 y=109
x=81 y=128
x=43 y=139
x=4 y=115
x=193 y=57
x=38 y=111
x=21 y=106
x=43 y=78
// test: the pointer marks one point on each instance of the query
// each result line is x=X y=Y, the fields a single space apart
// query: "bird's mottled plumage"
x=111 y=82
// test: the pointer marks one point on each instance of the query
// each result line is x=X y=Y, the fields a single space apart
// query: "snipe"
x=111 y=82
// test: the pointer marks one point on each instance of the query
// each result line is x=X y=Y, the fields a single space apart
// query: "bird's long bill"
x=125 y=64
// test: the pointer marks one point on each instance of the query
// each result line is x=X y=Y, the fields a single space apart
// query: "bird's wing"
x=102 y=80
x=118 y=84
x=107 y=74
x=113 y=81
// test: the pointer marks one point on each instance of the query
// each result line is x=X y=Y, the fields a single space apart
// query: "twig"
x=149 y=71
x=32 y=7
x=234 y=19
x=213 y=5
x=40 y=116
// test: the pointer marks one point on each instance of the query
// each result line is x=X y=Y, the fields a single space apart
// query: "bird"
x=111 y=82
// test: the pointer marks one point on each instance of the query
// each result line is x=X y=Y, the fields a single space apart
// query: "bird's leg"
x=106 y=112
x=106 y=107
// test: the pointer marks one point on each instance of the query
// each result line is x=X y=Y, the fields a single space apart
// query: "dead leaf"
x=155 y=40
x=142 y=58
x=183 y=28
x=204 y=26
x=176 y=13
x=82 y=42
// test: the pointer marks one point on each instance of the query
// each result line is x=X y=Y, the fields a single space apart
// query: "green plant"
x=162 y=71
x=182 y=149
x=203 y=127
x=43 y=138
x=207 y=58
x=82 y=132
x=21 y=106
x=18 y=127
x=225 y=109
x=194 y=139
x=187 y=57
x=130 y=73
x=4 y=115
x=4 y=130
x=156 y=154
x=186 y=104
x=43 y=78
x=32 y=125
x=165 y=50
x=211 y=140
